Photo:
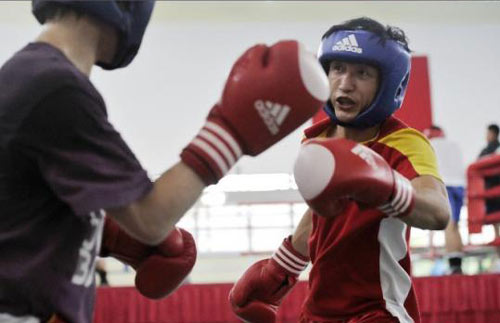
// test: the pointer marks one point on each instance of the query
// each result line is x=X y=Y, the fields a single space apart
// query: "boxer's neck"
x=355 y=134
x=83 y=40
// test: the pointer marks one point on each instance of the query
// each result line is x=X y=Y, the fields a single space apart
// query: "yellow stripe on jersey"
x=323 y=134
x=416 y=148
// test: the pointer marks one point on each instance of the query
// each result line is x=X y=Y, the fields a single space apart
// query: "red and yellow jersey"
x=361 y=258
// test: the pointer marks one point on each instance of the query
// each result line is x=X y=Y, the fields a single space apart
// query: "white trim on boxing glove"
x=286 y=259
x=402 y=202
x=227 y=151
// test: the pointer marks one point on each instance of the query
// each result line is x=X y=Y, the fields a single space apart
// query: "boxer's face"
x=490 y=136
x=353 y=87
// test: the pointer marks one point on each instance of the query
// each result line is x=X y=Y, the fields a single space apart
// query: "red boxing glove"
x=269 y=93
x=160 y=269
x=331 y=170
x=257 y=294
x=161 y=273
x=118 y=244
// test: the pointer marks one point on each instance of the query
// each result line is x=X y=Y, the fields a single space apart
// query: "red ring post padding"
x=477 y=193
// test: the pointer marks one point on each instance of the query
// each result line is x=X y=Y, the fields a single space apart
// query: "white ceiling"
x=407 y=12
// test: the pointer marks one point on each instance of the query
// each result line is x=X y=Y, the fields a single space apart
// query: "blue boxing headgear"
x=390 y=57
x=131 y=23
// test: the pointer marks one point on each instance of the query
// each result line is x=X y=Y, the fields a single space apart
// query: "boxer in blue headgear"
x=366 y=177
x=387 y=50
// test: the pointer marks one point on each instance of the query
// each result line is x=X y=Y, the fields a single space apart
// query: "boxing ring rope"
x=477 y=193
x=467 y=299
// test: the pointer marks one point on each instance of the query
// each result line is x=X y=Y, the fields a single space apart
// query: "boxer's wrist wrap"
x=402 y=201
x=290 y=259
x=212 y=153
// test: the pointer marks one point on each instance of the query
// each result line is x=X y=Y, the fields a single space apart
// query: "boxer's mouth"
x=345 y=102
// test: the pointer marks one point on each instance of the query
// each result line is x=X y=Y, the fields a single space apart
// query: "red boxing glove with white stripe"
x=160 y=269
x=257 y=294
x=269 y=93
x=330 y=170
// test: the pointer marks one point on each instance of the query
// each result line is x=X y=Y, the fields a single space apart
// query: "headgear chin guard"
x=389 y=56
x=130 y=22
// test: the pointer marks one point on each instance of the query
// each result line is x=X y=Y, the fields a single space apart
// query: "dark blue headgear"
x=131 y=23
x=389 y=56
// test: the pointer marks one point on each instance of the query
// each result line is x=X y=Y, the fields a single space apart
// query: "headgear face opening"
x=389 y=56
x=131 y=23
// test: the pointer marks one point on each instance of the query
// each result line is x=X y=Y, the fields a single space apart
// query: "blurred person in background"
x=492 y=147
x=452 y=170
x=492 y=204
x=101 y=271
x=492 y=143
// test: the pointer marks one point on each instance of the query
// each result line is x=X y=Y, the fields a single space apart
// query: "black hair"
x=494 y=128
x=371 y=25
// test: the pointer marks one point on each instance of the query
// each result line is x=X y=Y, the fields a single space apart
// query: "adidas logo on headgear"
x=348 y=44
x=273 y=114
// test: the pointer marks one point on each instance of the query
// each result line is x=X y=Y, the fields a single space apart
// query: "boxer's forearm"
x=432 y=210
x=151 y=218
x=301 y=235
